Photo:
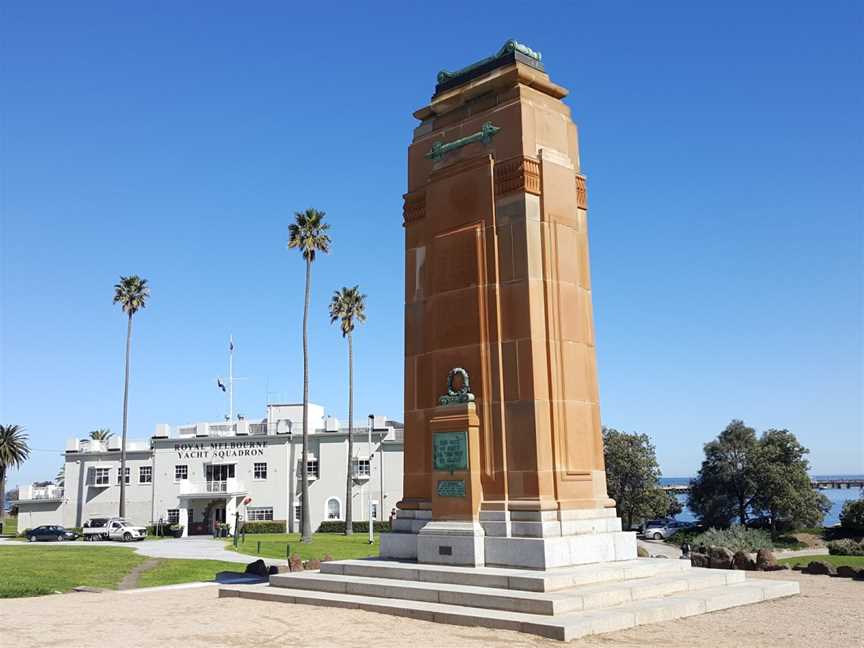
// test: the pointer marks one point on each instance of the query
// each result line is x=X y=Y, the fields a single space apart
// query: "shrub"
x=735 y=538
x=852 y=516
x=337 y=526
x=846 y=548
x=269 y=526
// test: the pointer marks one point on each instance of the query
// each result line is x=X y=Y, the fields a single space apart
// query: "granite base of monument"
x=561 y=603
x=451 y=543
x=520 y=539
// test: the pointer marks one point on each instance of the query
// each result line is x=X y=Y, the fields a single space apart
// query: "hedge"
x=846 y=547
x=337 y=526
x=269 y=526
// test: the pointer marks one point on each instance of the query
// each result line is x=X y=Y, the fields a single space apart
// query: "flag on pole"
x=220 y=384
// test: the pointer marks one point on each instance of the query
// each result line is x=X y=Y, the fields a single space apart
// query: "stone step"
x=563 y=627
x=545 y=603
x=504 y=578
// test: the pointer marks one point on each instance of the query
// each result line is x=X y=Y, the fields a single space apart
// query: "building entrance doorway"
x=205 y=519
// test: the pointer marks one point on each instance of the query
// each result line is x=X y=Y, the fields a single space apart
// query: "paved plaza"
x=827 y=607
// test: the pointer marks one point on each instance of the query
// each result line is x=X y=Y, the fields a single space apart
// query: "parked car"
x=50 y=532
x=112 y=529
x=663 y=529
x=647 y=524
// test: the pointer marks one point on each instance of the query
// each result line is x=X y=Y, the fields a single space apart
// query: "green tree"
x=132 y=294
x=308 y=233
x=632 y=475
x=726 y=484
x=852 y=516
x=13 y=452
x=783 y=489
x=102 y=434
x=347 y=307
x=60 y=479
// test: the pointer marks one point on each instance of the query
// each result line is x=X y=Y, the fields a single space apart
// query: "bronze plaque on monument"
x=451 y=488
x=450 y=451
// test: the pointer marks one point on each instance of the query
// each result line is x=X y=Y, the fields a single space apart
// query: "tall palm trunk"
x=305 y=525
x=349 y=486
x=2 y=492
x=125 y=413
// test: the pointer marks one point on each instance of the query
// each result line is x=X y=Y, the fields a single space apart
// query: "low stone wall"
x=722 y=558
x=763 y=560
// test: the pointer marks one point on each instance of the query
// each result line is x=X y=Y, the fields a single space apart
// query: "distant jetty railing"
x=820 y=484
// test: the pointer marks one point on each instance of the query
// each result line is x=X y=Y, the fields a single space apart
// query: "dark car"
x=50 y=532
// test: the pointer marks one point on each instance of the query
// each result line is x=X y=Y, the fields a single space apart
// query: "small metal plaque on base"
x=451 y=488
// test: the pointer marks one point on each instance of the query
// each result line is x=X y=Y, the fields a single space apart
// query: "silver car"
x=663 y=529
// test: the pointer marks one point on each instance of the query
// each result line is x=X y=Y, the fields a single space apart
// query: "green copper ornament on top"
x=508 y=47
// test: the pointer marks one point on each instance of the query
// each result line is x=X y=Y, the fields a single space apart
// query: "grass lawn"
x=31 y=571
x=10 y=526
x=852 y=561
x=172 y=571
x=340 y=547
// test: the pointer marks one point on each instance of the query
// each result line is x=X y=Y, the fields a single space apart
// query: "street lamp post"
x=369 y=490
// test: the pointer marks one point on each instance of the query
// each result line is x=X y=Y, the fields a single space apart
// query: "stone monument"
x=497 y=283
x=505 y=521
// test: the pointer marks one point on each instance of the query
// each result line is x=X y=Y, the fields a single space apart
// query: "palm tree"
x=13 y=452
x=347 y=306
x=308 y=233
x=102 y=434
x=132 y=294
x=60 y=479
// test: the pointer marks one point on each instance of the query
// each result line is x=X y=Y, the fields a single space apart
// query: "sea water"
x=837 y=496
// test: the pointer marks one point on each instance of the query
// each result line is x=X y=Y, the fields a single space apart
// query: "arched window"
x=334 y=509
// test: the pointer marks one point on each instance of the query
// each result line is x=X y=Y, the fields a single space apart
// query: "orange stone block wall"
x=497 y=281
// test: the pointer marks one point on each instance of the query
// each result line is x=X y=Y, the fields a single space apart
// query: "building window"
x=219 y=472
x=127 y=475
x=260 y=471
x=145 y=475
x=361 y=468
x=374 y=510
x=258 y=513
x=298 y=512
x=312 y=468
x=173 y=516
x=334 y=509
x=181 y=472
x=102 y=476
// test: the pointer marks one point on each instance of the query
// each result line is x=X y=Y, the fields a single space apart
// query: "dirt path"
x=130 y=580
x=828 y=611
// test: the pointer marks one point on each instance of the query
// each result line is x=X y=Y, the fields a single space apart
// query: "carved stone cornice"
x=415 y=206
x=517 y=174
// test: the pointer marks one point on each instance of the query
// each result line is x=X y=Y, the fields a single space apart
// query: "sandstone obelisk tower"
x=508 y=470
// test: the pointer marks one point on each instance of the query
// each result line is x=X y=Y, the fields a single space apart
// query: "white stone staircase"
x=563 y=603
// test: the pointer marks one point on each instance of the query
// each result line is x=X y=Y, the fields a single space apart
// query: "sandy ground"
x=829 y=611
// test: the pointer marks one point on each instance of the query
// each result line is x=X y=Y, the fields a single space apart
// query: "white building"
x=200 y=474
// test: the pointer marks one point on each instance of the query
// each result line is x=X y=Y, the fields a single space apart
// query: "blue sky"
x=722 y=145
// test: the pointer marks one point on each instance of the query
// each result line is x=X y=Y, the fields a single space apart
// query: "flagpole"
x=230 y=378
